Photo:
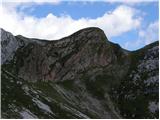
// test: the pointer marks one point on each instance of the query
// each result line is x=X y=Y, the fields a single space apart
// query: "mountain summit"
x=80 y=76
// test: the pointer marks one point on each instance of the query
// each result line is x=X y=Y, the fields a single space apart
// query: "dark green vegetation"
x=80 y=76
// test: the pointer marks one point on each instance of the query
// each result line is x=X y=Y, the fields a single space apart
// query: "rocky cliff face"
x=80 y=76
x=9 y=45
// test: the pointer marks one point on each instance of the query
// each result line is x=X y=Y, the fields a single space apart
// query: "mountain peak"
x=92 y=33
x=95 y=29
x=69 y=77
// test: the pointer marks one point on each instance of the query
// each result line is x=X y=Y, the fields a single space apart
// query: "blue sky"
x=88 y=9
x=141 y=20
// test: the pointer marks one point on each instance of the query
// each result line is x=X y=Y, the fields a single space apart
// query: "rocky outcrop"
x=63 y=59
x=139 y=89
x=79 y=76
x=9 y=45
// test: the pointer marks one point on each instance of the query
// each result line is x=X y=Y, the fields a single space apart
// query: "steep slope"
x=80 y=76
x=138 y=94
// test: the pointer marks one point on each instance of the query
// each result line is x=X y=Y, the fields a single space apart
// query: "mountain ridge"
x=80 y=76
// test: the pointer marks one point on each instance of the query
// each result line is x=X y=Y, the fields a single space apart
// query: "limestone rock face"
x=63 y=59
x=80 y=76
x=9 y=45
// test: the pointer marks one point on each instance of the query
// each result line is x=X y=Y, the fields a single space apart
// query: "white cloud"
x=150 y=34
x=32 y=1
x=114 y=23
x=146 y=36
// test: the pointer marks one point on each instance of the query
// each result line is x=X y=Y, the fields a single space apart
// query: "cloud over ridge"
x=122 y=19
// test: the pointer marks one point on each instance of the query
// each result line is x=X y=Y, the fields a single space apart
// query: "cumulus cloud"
x=122 y=19
x=151 y=33
x=146 y=36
